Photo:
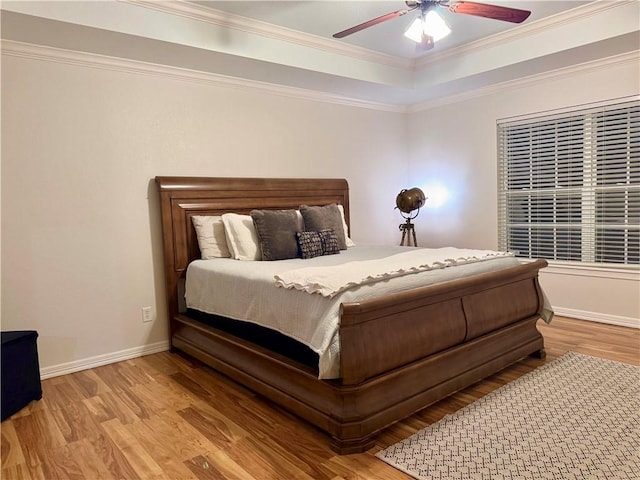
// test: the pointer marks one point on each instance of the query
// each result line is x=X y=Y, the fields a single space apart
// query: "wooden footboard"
x=381 y=334
x=399 y=353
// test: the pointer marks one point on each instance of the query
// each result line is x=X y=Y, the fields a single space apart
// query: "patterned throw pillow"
x=316 y=244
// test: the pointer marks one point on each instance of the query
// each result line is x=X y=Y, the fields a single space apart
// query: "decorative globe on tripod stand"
x=409 y=201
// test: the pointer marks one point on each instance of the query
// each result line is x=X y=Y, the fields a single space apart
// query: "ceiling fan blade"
x=372 y=22
x=496 y=12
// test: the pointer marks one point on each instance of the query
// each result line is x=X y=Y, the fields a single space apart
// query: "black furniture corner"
x=20 y=371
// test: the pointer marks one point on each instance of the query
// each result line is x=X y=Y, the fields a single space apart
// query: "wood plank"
x=230 y=469
x=59 y=463
x=263 y=462
x=218 y=429
x=56 y=396
x=110 y=374
x=161 y=450
x=10 y=450
x=90 y=464
x=19 y=471
x=143 y=464
x=192 y=442
x=133 y=403
x=89 y=383
x=37 y=433
x=112 y=456
x=162 y=395
x=117 y=406
x=76 y=422
x=204 y=469
x=98 y=409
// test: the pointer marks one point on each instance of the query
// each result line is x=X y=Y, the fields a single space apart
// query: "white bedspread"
x=331 y=280
x=247 y=291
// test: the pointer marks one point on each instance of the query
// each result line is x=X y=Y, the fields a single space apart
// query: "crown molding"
x=93 y=60
x=72 y=57
x=522 y=31
x=614 y=61
x=229 y=20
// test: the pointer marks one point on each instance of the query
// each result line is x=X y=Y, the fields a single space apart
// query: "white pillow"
x=242 y=238
x=211 y=237
x=350 y=243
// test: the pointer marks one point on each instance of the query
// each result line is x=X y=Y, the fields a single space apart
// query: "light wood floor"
x=166 y=417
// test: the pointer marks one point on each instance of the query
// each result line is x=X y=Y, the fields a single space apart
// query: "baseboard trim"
x=597 y=317
x=100 y=360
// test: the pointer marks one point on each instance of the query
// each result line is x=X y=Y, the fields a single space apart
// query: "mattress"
x=247 y=291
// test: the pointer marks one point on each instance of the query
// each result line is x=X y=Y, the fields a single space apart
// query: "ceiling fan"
x=429 y=27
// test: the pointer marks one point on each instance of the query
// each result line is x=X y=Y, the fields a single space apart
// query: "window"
x=569 y=185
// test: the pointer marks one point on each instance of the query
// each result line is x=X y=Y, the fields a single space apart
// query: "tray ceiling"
x=324 y=18
x=288 y=45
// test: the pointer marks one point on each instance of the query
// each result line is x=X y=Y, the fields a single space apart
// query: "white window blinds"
x=569 y=185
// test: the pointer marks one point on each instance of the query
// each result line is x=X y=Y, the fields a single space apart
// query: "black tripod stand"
x=408 y=232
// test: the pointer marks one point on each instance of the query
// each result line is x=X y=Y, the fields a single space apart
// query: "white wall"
x=455 y=145
x=81 y=241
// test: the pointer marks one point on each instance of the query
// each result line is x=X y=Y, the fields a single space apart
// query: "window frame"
x=576 y=137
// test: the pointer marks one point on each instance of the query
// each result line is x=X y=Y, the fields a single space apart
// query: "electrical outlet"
x=147 y=314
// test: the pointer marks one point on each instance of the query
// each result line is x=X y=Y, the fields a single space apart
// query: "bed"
x=398 y=353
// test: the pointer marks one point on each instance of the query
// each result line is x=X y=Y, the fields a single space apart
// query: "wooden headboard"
x=183 y=197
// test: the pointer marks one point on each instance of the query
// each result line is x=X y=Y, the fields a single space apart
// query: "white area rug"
x=577 y=417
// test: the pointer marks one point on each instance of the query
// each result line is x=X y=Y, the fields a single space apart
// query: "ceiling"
x=324 y=18
x=286 y=47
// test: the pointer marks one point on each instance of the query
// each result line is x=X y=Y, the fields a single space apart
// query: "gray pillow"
x=322 y=218
x=276 y=231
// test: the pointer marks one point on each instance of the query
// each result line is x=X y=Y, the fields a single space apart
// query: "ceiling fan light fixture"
x=414 y=32
x=431 y=24
x=435 y=26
